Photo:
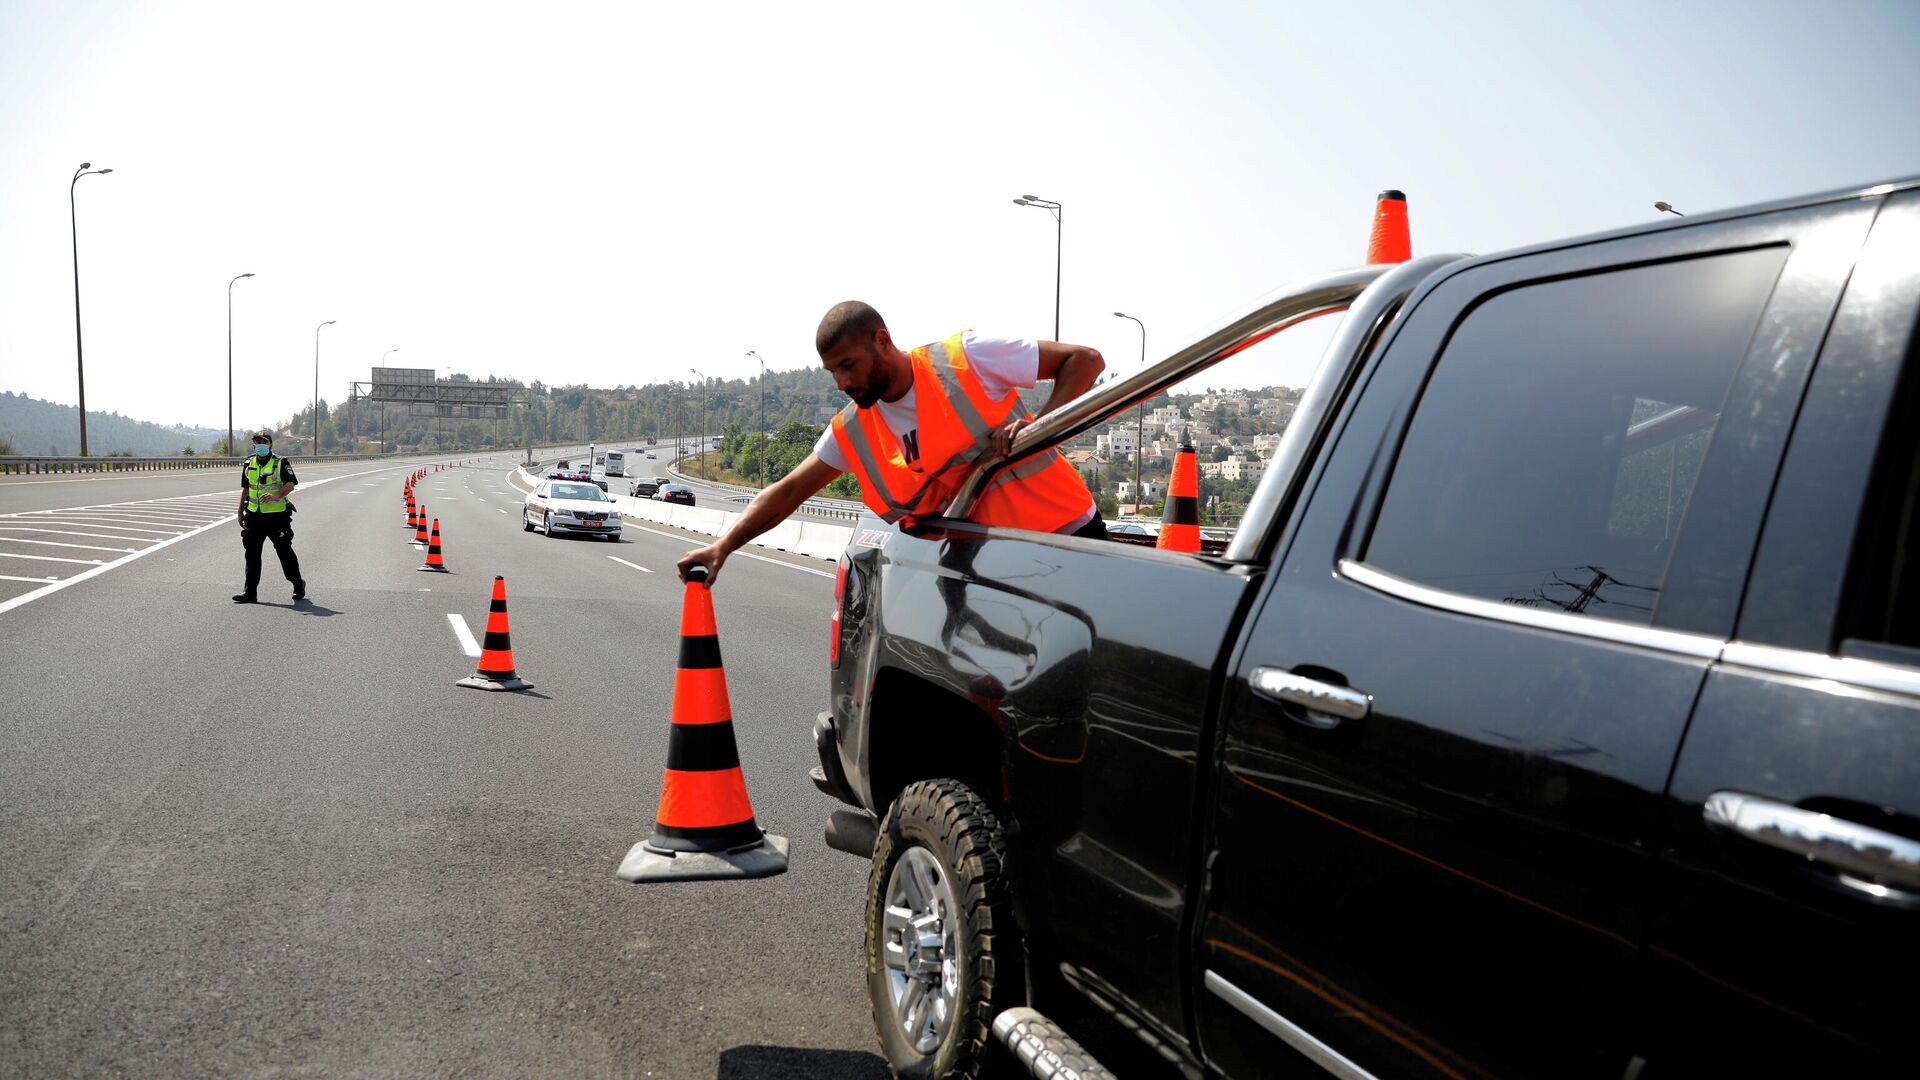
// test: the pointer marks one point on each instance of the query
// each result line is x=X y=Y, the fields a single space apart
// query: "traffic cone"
x=413 y=515
x=705 y=826
x=1180 y=526
x=496 y=655
x=420 y=528
x=434 y=564
x=1390 y=242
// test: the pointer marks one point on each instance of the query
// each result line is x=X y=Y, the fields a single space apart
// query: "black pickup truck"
x=1554 y=711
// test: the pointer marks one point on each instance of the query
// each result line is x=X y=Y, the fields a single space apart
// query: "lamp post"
x=79 y=355
x=700 y=437
x=1665 y=207
x=763 y=415
x=1053 y=208
x=1140 y=425
x=230 y=452
x=316 y=384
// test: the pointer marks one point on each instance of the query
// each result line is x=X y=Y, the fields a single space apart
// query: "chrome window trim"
x=1349 y=348
x=1849 y=671
x=1286 y=1030
x=1292 y=304
x=1767 y=659
x=1697 y=646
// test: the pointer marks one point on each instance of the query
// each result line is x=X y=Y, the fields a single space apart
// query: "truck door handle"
x=1326 y=704
x=1859 y=852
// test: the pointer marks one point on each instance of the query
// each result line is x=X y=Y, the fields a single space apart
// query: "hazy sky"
x=616 y=193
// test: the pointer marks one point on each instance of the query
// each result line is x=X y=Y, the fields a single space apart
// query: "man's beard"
x=865 y=397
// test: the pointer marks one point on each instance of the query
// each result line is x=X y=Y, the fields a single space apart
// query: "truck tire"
x=942 y=954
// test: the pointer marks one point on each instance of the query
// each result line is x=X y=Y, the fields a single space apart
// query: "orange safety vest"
x=956 y=423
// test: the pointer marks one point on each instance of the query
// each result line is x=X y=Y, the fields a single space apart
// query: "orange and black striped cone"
x=434 y=563
x=705 y=826
x=496 y=653
x=420 y=529
x=1180 y=525
x=1389 y=242
x=413 y=515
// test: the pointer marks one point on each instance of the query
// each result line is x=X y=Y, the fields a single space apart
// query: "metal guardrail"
x=841 y=509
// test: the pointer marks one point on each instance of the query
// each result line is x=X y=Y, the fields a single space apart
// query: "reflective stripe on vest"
x=260 y=481
x=956 y=436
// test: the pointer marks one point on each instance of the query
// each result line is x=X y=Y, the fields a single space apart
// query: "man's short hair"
x=849 y=318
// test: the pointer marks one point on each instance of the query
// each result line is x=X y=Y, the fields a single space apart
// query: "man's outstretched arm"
x=771 y=507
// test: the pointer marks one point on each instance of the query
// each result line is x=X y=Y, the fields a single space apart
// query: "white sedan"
x=575 y=506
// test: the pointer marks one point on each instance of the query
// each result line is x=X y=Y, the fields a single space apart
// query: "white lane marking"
x=35 y=580
x=72 y=532
x=55 y=586
x=467 y=644
x=49 y=558
x=56 y=543
x=111 y=523
x=624 y=562
x=502 y=509
x=738 y=554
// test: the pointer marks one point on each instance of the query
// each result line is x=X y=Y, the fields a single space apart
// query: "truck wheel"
x=942 y=954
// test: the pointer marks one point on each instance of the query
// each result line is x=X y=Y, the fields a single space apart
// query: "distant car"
x=643 y=489
x=557 y=506
x=650 y=457
x=675 y=493
x=1129 y=528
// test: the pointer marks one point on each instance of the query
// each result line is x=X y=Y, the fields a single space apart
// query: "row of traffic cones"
x=422 y=536
x=705 y=826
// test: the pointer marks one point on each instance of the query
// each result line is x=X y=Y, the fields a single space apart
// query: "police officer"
x=265 y=514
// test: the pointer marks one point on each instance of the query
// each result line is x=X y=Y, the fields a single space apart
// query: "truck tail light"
x=833 y=625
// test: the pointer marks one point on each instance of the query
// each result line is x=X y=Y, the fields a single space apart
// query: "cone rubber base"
x=479 y=683
x=763 y=858
x=432 y=569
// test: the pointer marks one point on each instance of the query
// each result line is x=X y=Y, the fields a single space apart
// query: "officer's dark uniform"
x=266 y=521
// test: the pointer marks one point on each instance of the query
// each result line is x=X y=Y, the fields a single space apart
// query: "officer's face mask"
x=261 y=450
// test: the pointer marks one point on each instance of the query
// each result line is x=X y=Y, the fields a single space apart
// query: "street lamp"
x=381 y=405
x=1665 y=207
x=316 y=384
x=1053 y=208
x=763 y=415
x=1140 y=426
x=700 y=438
x=230 y=452
x=79 y=355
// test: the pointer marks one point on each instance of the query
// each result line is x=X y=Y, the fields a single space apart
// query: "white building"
x=1149 y=491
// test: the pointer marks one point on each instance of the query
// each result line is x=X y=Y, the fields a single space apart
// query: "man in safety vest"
x=918 y=422
x=265 y=514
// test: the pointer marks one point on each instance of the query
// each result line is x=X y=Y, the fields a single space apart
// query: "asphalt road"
x=278 y=841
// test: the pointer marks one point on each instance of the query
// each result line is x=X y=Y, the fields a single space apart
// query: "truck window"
x=1881 y=618
x=1554 y=449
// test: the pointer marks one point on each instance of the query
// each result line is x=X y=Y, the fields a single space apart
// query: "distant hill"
x=32 y=426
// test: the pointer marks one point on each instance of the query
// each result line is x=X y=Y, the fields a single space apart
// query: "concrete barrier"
x=813 y=539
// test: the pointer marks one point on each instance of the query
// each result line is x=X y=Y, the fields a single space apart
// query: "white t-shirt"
x=1002 y=364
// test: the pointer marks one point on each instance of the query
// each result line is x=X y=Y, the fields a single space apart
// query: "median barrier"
x=819 y=540
x=782 y=537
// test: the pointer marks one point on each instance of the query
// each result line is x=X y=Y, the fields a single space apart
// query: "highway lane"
x=55 y=529
x=267 y=838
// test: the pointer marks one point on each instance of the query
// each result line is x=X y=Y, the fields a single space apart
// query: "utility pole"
x=763 y=415
x=316 y=385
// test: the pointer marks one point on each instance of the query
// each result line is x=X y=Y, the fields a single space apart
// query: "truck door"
x=1787 y=926
x=1452 y=719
